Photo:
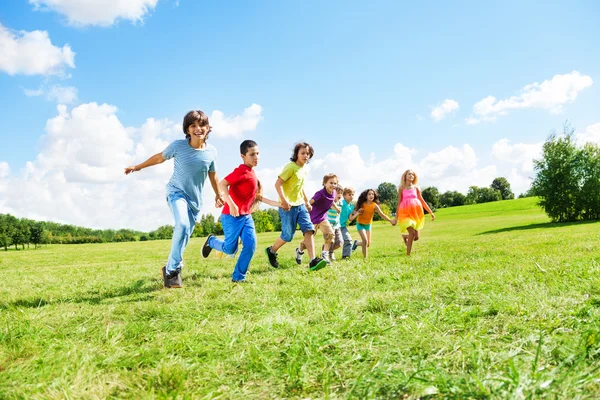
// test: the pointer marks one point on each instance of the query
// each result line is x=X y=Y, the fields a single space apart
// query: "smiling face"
x=371 y=195
x=251 y=157
x=331 y=184
x=198 y=132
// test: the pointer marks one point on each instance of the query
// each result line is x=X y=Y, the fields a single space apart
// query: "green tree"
x=432 y=196
x=207 y=222
x=589 y=200
x=558 y=177
x=37 y=232
x=384 y=209
x=477 y=195
x=263 y=221
x=388 y=194
x=275 y=219
x=452 y=199
x=501 y=184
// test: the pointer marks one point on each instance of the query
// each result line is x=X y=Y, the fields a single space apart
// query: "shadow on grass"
x=135 y=288
x=543 y=225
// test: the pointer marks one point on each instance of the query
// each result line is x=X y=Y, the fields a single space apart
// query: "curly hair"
x=362 y=198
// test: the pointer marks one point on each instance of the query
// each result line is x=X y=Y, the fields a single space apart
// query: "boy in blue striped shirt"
x=194 y=161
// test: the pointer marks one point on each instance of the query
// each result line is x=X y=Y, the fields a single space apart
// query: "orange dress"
x=410 y=211
x=367 y=216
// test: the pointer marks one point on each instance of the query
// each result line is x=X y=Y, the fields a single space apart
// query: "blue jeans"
x=347 y=250
x=296 y=215
x=185 y=221
x=234 y=228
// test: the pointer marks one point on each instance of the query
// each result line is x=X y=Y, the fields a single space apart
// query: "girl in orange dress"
x=410 y=213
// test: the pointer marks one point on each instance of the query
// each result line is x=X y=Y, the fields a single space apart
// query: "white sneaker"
x=299 y=255
x=332 y=256
x=325 y=256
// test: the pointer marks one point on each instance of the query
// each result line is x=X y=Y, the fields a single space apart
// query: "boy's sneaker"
x=332 y=256
x=354 y=245
x=171 y=281
x=317 y=263
x=299 y=255
x=272 y=257
x=325 y=256
x=206 y=249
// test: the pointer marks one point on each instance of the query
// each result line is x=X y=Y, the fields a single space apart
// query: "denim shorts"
x=296 y=215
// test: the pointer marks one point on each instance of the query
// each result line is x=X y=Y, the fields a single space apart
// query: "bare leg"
x=409 y=243
x=364 y=243
x=309 y=243
x=416 y=235
x=405 y=239
x=277 y=245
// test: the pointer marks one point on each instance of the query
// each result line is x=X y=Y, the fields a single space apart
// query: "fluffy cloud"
x=32 y=53
x=549 y=95
x=234 y=126
x=97 y=12
x=78 y=178
x=591 y=134
x=60 y=94
x=520 y=155
x=442 y=110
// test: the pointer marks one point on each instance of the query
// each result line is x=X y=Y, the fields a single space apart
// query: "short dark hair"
x=195 y=116
x=298 y=146
x=247 y=145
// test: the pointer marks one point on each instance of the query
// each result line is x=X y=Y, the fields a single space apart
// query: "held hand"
x=432 y=217
x=394 y=221
x=129 y=170
x=285 y=205
x=360 y=211
x=234 y=210
x=219 y=202
x=308 y=207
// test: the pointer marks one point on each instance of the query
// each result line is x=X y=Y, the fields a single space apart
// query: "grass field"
x=495 y=302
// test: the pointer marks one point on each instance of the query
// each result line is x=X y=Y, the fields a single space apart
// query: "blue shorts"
x=297 y=215
x=363 y=227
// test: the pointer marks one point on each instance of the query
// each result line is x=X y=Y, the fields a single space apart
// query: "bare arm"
x=388 y=219
x=279 y=188
x=214 y=182
x=306 y=202
x=335 y=207
x=155 y=159
x=395 y=221
x=269 y=201
x=424 y=204
x=233 y=208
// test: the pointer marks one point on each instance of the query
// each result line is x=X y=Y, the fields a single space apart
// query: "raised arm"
x=155 y=159
x=388 y=219
x=424 y=204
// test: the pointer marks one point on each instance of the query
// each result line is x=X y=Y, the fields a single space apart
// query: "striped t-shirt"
x=191 y=167
x=333 y=216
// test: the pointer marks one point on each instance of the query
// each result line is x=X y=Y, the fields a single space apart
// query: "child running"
x=194 y=161
x=295 y=207
x=242 y=193
x=410 y=209
x=333 y=216
x=347 y=210
x=367 y=204
x=321 y=202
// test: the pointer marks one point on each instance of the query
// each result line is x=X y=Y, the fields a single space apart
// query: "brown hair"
x=328 y=177
x=297 y=147
x=348 y=190
x=195 y=116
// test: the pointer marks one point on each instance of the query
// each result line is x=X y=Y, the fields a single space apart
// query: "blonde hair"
x=348 y=190
x=403 y=184
x=328 y=177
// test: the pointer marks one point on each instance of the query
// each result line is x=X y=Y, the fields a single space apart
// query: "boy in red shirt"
x=241 y=192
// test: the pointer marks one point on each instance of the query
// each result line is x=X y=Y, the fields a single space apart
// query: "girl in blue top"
x=194 y=161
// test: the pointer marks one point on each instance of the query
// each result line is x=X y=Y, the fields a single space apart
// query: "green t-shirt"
x=293 y=176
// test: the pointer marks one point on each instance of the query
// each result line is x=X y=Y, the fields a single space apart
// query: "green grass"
x=495 y=302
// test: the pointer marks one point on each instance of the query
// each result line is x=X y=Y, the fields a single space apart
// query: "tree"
x=275 y=218
x=452 y=199
x=477 y=195
x=388 y=194
x=501 y=184
x=262 y=221
x=36 y=233
x=589 y=201
x=432 y=196
x=558 y=177
x=384 y=209
x=207 y=222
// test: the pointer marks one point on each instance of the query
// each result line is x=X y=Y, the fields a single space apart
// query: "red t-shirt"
x=243 y=185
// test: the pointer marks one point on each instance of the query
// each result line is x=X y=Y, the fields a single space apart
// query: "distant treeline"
x=25 y=232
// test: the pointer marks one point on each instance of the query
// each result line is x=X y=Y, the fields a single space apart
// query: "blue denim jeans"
x=185 y=220
x=235 y=228
x=296 y=215
x=347 y=250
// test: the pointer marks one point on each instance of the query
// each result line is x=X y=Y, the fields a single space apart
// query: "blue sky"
x=461 y=92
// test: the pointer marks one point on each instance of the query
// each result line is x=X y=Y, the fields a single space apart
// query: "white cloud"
x=442 y=110
x=32 y=53
x=235 y=126
x=77 y=178
x=60 y=94
x=549 y=95
x=591 y=135
x=97 y=12
x=519 y=154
